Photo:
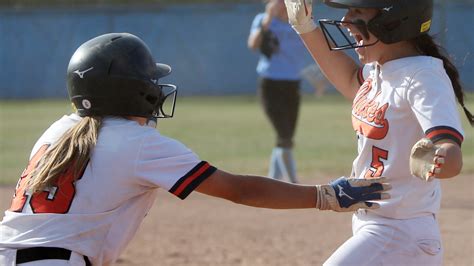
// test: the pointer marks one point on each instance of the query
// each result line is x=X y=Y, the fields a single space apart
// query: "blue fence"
x=205 y=44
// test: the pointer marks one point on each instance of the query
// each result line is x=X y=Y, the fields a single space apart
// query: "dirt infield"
x=206 y=231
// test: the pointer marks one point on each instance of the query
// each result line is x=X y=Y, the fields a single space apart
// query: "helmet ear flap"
x=153 y=98
x=386 y=26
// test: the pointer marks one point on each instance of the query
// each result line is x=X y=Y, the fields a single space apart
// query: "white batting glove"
x=349 y=194
x=426 y=159
x=300 y=15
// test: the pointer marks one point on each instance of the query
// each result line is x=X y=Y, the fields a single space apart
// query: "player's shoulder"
x=154 y=141
x=257 y=21
x=417 y=71
x=56 y=130
x=423 y=64
x=429 y=72
x=419 y=67
x=410 y=64
x=148 y=140
x=144 y=141
x=126 y=129
x=66 y=121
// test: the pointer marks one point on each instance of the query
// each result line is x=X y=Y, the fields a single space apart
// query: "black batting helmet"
x=398 y=20
x=115 y=74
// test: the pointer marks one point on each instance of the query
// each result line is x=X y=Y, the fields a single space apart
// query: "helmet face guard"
x=164 y=107
x=346 y=42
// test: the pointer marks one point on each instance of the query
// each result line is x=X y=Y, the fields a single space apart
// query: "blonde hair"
x=71 y=153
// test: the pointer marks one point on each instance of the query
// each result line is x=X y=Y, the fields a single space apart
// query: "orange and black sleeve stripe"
x=360 y=76
x=444 y=132
x=192 y=179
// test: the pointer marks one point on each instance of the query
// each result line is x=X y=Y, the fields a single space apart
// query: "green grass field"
x=230 y=132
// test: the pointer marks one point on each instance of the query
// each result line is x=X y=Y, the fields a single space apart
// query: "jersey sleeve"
x=257 y=21
x=167 y=163
x=433 y=102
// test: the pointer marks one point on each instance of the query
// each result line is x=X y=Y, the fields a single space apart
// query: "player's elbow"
x=252 y=45
x=253 y=42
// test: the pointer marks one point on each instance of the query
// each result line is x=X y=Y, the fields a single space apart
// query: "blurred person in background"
x=282 y=58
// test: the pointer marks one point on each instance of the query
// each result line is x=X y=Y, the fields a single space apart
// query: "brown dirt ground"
x=207 y=231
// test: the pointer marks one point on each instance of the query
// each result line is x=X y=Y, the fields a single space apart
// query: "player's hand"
x=426 y=159
x=349 y=194
x=300 y=15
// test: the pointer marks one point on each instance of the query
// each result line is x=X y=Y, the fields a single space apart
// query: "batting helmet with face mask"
x=115 y=74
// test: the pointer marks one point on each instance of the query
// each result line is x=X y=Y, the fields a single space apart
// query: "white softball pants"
x=378 y=240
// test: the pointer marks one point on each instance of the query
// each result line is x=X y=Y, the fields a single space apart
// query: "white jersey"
x=98 y=214
x=399 y=103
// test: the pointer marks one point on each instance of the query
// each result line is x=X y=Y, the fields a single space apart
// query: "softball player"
x=405 y=117
x=93 y=175
x=279 y=82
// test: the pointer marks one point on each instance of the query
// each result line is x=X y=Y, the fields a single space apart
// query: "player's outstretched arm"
x=340 y=69
x=340 y=195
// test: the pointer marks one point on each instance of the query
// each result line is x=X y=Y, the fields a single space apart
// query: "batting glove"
x=349 y=194
x=300 y=15
x=426 y=159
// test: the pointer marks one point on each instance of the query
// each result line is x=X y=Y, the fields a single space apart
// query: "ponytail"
x=427 y=46
x=71 y=152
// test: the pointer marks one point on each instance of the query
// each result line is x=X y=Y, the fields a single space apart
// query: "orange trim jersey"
x=399 y=103
x=98 y=214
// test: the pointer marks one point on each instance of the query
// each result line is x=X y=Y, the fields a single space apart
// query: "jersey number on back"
x=57 y=199
x=376 y=166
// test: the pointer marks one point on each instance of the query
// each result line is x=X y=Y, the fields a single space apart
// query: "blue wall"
x=205 y=44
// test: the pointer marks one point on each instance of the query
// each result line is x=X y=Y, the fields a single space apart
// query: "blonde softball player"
x=93 y=175
x=405 y=117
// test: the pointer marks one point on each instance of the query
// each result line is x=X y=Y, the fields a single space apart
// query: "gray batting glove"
x=426 y=159
x=300 y=15
x=349 y=194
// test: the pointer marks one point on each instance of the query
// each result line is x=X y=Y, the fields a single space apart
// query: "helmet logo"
x=154 y=81
x=387 y=8
x=81 y=73
x=425 y=26
x=86 y=104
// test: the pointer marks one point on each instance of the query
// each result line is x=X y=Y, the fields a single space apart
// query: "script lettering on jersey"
x=368 y=115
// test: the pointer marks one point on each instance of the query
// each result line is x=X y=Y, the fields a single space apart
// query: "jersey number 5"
x=56 y=199
x=376 y=166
